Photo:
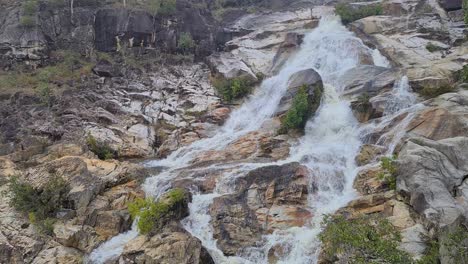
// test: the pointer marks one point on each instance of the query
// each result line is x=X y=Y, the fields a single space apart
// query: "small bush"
x=389 y=171
x=349 y=13
x=27 y=21
x=40 y=205
x=149 y=212
x=430 y=92
x=433 y=48
x=364 y=239
x=101 y=149
x=45 y=94
x=186 y=43
x=231 y=89
x=297 y=115
x=465 y=11
x=30 y=7
x=456 y=244
x=463 y=75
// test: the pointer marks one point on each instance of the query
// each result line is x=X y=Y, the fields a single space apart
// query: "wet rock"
x=368 y=153
x=428 y=184
x=368 y=182
x=312 y=81
x=254 y=145
x=267 y=198
x=368 y=79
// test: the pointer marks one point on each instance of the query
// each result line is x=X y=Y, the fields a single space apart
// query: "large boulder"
x=230 y=66
x=367 y=79
x=312 y=81
x=429 y=174
x=266 y=199
x=172 y=246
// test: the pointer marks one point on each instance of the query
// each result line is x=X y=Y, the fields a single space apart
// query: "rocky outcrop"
x=431 y=176
x=266 y=199
x=170 y=246
x=403 y=34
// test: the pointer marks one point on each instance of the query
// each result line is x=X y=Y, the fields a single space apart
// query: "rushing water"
x=331 y=142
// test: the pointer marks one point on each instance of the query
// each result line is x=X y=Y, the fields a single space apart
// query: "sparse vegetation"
x=149 y=212
x=431 y=47
x=465 y=11
x=463 y=75
x=186 y=43
x=389 y=171
x=431 y=92
x=39 y=204
x=71 y=67
x=297 y=115
x=350 y=13
x=231 y=89
x=365 y=239
x=28 y=18
x=456 y=245
x=101 y=149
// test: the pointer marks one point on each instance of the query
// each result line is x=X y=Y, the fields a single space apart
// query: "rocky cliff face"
x=137 y=92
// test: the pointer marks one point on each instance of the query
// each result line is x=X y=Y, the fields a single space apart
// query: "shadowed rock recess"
x=233 y=131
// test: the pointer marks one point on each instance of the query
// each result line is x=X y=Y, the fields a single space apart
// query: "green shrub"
x=149 y=212
x=431 y=254
x=101 y=149
x=465 y=11
x=40 y=205
x=350 y=13
x=231 y=89
x=27 y=21
x=365 y=239
x=463 y=75
x=431 y=92
x=167 y=7
x=45 y=94
x=389 y=171
x=433 y=48
x=297 y=115
x=30 y=7
x=186 y=43
x=456 y=245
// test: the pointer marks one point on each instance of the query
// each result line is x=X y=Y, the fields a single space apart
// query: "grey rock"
x=429 y=171
x=368 y=79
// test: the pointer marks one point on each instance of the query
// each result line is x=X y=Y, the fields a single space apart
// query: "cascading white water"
x=328 y=149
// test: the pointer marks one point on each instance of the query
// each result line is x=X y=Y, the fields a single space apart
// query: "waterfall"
x=331 y=142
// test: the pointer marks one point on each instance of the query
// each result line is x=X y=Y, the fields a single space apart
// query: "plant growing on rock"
x=296 y=117
x=350 y=13
x=431 y=47
x=101 y=149
x=465 y=11
x=28 y=18
x=151 y=214
x=186 y=43
x=365 y=239
x=231 y=89
x=40 y=205
x=389 y=171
